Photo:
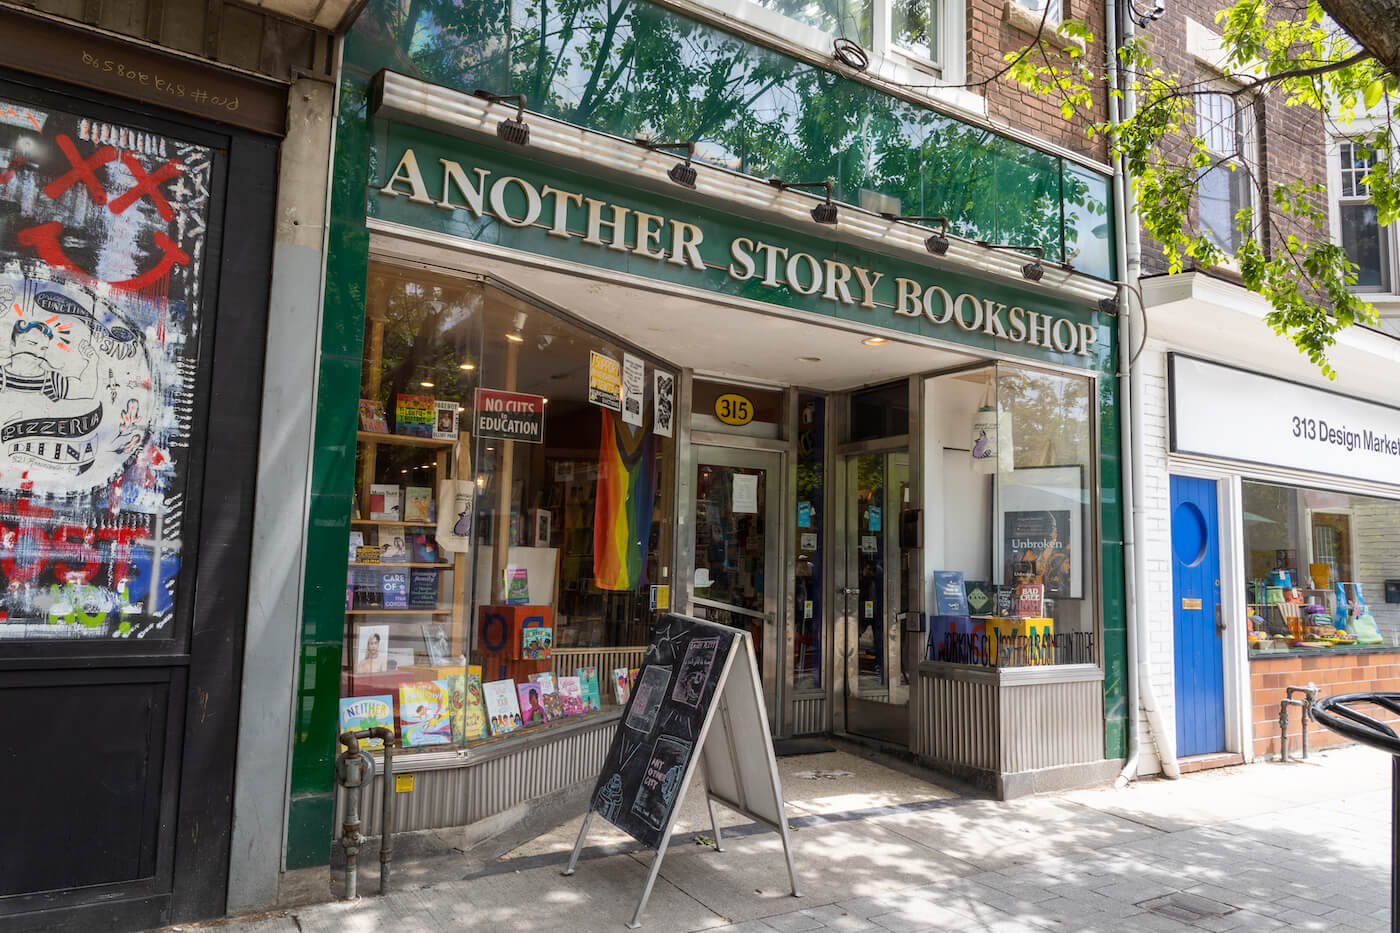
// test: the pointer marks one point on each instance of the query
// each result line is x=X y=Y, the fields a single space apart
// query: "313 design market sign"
x=100 y=290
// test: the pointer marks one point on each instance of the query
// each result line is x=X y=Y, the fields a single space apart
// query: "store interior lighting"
x=823 y=213
x=682 y=173
x=512 y=131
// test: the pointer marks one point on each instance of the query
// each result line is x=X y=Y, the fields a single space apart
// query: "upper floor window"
x=1052 y=18
x=1367 y=243
x=925 y=33
x=1226 y=186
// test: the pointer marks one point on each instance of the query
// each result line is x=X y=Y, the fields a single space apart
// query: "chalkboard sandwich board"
x=698 y=700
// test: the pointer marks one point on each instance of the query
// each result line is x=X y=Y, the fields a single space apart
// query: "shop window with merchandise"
x=1322 y=568
x=509 y=548
x=1011 y=468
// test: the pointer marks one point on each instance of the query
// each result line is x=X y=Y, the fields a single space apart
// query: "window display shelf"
x=402 y=440
x=386 y=523
x=391 y=566
x=398 y=612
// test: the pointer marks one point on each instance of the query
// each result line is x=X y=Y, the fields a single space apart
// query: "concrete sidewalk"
x=1295 y=846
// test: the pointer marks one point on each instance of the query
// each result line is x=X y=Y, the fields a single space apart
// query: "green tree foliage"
x=1299 y=57
x=633 y=68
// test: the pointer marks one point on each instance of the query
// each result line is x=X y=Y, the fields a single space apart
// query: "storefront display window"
x=508 y=551
x=1016 y=580
x=1318 y=564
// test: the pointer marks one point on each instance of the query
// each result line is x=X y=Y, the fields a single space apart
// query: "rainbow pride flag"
x=626 y=493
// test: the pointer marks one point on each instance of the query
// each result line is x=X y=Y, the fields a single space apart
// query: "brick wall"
x=1155 y=591
x=1336 y=674
x=1290 y=139
x=990 y=38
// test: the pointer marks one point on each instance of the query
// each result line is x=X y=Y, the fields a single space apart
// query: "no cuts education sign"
x=1220 y=411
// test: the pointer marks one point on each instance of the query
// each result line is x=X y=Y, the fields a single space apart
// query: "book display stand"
x=698 y=702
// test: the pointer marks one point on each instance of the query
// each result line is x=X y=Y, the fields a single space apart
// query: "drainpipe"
x=1128 y=247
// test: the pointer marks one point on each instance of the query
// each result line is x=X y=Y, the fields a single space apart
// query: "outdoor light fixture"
x=823 y=213
x=682 y=173
x=875 y=341
x=1107 y=306
x=1032 y=270
x=936 y=244
x=511 y=131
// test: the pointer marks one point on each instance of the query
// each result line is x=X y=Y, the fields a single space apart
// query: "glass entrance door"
x=876 y=594
x=738 y=532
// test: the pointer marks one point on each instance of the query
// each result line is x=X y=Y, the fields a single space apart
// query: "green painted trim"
x=309 y=831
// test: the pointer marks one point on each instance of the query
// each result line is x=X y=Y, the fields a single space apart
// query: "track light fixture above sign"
x=823 y=213
x=511 y=131
x=682 y=173
x=1033 y=271
x=937 y=244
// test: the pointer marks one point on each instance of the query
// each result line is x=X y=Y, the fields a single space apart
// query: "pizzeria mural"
x=102 y=233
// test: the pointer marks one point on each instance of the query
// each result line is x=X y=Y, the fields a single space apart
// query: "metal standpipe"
x=1304 y=711
x=354 y=769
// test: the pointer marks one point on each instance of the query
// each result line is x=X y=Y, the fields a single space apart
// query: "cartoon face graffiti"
x=60 y=345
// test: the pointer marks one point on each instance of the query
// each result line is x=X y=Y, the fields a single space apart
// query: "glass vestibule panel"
x=876 y=594
x=737 y=553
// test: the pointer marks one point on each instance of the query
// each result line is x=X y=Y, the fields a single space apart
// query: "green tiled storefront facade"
x=773 y=115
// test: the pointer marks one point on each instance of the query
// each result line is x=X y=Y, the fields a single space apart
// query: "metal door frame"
x=758 y=454
x=844 y=616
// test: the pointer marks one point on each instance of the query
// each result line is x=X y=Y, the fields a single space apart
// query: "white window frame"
x=1245 y=150
x=1335 y=201
x=887 y=61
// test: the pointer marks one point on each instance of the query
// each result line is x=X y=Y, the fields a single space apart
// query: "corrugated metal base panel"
x=456 y=796
x=994 y=724
x=606 y=660
x=809 y=716
x=957 y=723
x=1048 y=725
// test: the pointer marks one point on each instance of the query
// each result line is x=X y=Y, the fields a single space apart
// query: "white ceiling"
x=723 y=340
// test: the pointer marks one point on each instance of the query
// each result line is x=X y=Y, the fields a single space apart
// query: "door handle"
x=1219 y=622
x=849 y=591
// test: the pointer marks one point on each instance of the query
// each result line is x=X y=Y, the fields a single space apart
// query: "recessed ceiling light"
x=875 y=341
x=467 y=366
x=809 y=359
x=515 y=338
x=426 y=385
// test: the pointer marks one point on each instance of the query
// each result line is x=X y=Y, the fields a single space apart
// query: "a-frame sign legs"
x=578 y=846
x=714 y=821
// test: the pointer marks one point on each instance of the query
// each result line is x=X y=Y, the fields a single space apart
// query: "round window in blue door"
x=1188 y=534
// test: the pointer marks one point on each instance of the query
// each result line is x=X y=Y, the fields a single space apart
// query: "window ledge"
x=1028 y=21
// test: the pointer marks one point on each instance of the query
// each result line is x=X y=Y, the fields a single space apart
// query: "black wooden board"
x=640 y=781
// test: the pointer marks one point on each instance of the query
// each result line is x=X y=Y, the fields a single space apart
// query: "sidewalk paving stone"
x=1278 y=846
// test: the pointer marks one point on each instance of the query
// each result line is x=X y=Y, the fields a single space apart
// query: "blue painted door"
x=1200 y=671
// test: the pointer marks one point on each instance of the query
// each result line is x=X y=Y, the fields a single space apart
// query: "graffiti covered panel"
x=102 y=231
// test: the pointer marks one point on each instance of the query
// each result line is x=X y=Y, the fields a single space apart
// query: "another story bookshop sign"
x=698 y=700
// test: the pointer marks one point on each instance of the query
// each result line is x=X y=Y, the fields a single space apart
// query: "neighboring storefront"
x=1277 y=511
x=124 y=306
x=570 y=381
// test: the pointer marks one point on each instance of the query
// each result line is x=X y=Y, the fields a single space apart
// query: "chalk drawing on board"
x=695 y=670
x=661 y=781
x=609 y=799
x=651 y=690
